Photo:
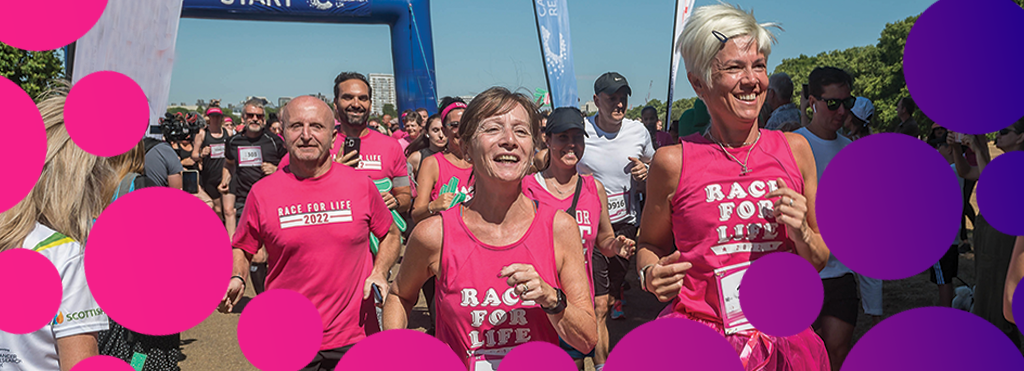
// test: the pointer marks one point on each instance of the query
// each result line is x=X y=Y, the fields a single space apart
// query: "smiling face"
x=502 y=146
x=253 y=118
x=451 y=124
x=566 y=148
x=738 y=86
x=353 y=102
x=308 y=129
x=829 y=119
x=413 y=129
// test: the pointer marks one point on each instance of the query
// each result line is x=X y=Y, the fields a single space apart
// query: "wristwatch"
x=560 y=306
x=643 y=277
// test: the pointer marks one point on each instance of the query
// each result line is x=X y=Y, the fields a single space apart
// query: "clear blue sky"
x=483 y=43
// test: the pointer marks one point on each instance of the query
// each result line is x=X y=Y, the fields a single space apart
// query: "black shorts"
x=841 y=299
x=327 y=360
x=942 y=273
x=211 y=190
x=611 y=272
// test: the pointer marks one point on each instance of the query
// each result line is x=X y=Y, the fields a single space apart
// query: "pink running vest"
x=588 y=213
x=721 y=218
x=478 y=314
x=446 y=171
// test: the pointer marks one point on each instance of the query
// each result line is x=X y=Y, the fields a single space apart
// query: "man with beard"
x=249 y=156
x=380 y=157
x=315 y=217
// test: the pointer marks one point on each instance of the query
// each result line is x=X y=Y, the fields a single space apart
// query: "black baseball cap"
x=563 y=119
x=611 y=82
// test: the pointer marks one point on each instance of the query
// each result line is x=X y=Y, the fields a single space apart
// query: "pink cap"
x=227 y=119
x=214 y=110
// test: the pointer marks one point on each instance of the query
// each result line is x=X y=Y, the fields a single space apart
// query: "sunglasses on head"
x=833 y=104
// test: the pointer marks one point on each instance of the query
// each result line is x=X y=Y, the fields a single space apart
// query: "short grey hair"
x=782 y=84
x=699 y=45
x=255 y=102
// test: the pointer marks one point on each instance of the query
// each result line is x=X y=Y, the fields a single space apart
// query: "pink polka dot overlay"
x=149 y=276
x=102 y=363
x=401 y=350
x=32 y=281
x=21 y=29
x=89 y=125
x=280 y=330
x=22 y=121
x=670 y=344
x=536 y=355
x=786 y=309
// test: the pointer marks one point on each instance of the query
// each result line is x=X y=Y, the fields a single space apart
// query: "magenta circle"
x=781 y=309
x=87 y=119
x=280 y=330
x=137 y=272
x=378 y=352
x=66 y=20
x=34 y=284
x=22 y=121
x=888 y=206
x=998 y=193
x=669 y=343
x=102 y=363
x=527 y=356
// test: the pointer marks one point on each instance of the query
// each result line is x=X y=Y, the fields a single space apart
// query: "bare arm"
x=577 y=324
x=414 y=164
x=422 y=257
x=810 y=245
x=1013 y=278
x=76 y=348
x=427 y=176
x=197 y=145
x=404 y=197
x=655 y=246
x=387 y=255
x=174 y=181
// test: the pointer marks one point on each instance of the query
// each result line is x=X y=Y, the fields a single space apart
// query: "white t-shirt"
x=824 y=151
x=606 y=157
x=78 y=314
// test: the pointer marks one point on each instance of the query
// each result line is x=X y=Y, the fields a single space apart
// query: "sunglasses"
x=254 y=115
x=452 y=125
x=1005 y=131
x=833 y=104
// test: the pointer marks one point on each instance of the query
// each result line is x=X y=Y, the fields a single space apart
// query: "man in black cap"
x=618 y=151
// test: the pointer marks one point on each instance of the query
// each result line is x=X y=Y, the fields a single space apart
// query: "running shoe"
x=617 y=312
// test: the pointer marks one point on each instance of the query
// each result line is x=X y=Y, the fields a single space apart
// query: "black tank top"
x=213 y=167
x=424 y=153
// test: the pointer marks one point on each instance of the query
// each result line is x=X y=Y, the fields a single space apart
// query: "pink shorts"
x=761 y=352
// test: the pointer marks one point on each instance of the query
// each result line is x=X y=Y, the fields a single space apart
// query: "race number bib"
x=250 y=156
x=487 y=359
x=618 y=207
x=729 y=279
x=217 y=150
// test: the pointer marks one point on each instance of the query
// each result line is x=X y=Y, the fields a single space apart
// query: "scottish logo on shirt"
x=250 y=156
x=314 y=213
x=369 y=162
x=60 y=318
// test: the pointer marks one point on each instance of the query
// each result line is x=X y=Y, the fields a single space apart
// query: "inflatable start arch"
x=412 y=48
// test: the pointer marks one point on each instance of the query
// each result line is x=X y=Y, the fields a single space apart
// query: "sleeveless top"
x=721 y=220
x=213 y=164
x=184 y=154
x=588 y=212
x=424 y=153
x=478 y=314
x=446 y=172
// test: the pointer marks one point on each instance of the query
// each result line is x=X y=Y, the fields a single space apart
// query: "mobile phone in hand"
x=377 y=297
x=190 y=181
x=351 y=144
x=807 y=91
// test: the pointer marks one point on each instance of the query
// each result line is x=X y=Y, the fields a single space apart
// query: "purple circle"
x=781 y=310
x=913 y=340
x=999 y=193
x=669 y=343
x=526 y=357
x=947 y=38
x=888 y=206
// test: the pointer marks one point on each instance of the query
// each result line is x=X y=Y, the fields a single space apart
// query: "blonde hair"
x=73 y=188
x=133 y=161
x=699 y=45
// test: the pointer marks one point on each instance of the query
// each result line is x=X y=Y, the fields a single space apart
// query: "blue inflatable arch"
x=412 y=48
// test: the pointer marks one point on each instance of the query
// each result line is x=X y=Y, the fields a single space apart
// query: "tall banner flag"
x=553 y=31
x=682 y=14
x=135 y=38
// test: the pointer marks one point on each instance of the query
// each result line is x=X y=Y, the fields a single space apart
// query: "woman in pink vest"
x=730 y=195
x=560 y=186
x=450 y=167
x=509 y=270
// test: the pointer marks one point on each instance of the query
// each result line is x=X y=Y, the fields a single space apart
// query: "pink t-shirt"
x=446 y=170
x=588 y=212
x=478 y=314
x=316 y=231
x=722 y=219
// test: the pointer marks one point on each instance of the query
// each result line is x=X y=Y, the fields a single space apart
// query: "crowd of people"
x=516 y=225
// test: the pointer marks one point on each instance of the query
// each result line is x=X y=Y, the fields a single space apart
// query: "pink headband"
x=451 y=107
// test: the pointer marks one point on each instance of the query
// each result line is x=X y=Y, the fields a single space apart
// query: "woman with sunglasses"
x=444 y=176
x=718 y=201
x=993 y=249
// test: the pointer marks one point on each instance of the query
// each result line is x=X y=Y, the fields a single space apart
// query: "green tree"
x=389 y=109
x=32 y=71
x=677 y=109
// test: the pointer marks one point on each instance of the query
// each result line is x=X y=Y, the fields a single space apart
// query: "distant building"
x=589 y=107
x=282 y=101
x=467 y=98
x=262 y=99
x=383 y=86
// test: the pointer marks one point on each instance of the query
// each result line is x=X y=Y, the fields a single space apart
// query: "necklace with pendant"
x=746 y=170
